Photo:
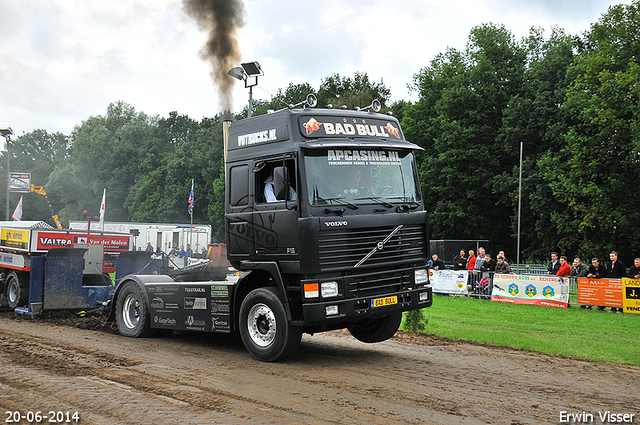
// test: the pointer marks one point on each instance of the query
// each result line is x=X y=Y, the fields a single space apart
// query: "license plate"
x=381 y=302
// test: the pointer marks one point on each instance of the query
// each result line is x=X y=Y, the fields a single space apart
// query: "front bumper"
x=351 y=310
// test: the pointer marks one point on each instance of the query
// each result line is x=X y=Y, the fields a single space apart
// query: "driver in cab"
x=354 y=185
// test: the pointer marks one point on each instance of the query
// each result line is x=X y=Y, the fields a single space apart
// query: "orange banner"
x=602 y=292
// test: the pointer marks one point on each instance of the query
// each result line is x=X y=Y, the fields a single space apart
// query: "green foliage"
x=415 y=321
x=38 y=153
x=358 y=91
x=595 y=174
x=458 y=120
x=476 y=107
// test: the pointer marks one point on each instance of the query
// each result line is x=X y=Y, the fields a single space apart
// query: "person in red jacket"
x=471 y=264
x=565 y=268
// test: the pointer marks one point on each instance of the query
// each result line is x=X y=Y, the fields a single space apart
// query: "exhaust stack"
x=227 y=119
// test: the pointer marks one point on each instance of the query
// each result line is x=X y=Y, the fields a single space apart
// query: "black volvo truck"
x=325 y=222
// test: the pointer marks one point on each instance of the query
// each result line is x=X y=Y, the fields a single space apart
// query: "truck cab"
x=324 y=207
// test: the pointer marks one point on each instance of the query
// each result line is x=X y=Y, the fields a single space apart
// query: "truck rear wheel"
x=17 y=295
x=264 y=328
x=132 y=314
x=377 y=329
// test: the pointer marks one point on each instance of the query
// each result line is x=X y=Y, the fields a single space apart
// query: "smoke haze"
x=221 y=19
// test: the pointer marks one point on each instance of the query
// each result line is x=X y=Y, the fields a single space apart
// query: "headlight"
x=331 y=310
x=329 y=289
x=421 y=276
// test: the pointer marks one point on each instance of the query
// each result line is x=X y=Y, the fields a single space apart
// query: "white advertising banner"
x=548 y=291
x=449 y=281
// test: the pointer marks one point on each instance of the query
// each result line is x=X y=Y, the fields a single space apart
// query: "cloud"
x=65 y=60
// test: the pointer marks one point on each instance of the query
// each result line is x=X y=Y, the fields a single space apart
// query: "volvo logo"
x=335 y=223
x=379 y=246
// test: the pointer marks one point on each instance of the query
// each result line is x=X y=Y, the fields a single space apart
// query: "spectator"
x=478 y=267
x=579 y=269
x=502 y=267
x=488 y=267
x=189 y=251
x=634 y=271
x=174 y=251
x=149 y=247
x=616 y=270
x=471 y=262
x=489 y=264
x=438 y=264
x=460 y=261
x=554 y=264
x=565 y=268
x=183 y=254
x=503 y=255
x=597 y=271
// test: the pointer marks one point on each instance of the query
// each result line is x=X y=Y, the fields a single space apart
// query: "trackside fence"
x=480 y=284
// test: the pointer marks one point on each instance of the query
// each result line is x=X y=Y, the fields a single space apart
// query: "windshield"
x=348 y=177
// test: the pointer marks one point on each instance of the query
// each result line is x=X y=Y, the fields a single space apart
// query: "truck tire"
x=264 y=328
x=377 y=329
x=17 y=294
x=132 y=314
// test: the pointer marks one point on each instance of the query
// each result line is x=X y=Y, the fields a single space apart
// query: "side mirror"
x=280 y=176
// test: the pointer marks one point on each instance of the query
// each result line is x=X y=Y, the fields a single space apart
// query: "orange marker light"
x=311 y=290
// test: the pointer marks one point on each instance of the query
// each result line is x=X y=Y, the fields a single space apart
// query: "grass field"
x=587 y=334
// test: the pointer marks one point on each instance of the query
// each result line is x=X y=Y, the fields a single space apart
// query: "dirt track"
x=82 y=365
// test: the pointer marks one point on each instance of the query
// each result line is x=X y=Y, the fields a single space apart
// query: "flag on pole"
x=101 y=223
x=17 y=214
x=191 y=200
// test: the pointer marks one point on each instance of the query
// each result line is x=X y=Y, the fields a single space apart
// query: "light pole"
x=519 y=203
x=7 y=133
x=249 y=72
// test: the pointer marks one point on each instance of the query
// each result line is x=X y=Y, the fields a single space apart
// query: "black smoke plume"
x=221 y=19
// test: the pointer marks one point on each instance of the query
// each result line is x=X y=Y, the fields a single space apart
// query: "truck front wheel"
x=17 y=295
x=132 y=315
x=264 y=328
x=377 y=329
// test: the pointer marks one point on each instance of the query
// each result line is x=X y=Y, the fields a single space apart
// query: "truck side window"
x=239 y=186
x=265 y=181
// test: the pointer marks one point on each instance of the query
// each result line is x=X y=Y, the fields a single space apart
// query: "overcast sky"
x=62 y=61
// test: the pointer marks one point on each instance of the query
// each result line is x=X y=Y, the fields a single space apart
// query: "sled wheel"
x=17 y=295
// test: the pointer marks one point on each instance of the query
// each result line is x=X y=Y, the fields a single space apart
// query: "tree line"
x=570 y=101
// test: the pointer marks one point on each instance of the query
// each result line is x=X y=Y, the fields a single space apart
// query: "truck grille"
x=378 y=283
x=342 y=249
